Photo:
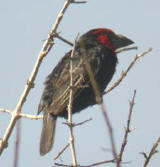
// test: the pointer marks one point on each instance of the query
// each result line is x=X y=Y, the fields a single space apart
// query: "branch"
x=100 y=163
x=110 y=129
x=22 y=115
x=73 y=1
x=62 y=150
x=78 y=124
x=34 y=117
x=103 y=109
x=83 y=122
x=152 y=152
x=127 y=130
x=126 y=49
x=17 y=141
x=5 y=110
x=43 y=52
x=124 y=73
x=71 y=136
x=94 y=164
x=73 y=125
x=63 y=39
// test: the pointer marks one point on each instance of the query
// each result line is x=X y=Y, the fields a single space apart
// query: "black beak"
x=120 y=41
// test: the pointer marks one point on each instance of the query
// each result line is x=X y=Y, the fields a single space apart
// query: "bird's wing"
x=61 y=95
x=55 y=97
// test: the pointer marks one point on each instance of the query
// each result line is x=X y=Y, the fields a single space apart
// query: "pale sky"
x=24 y=27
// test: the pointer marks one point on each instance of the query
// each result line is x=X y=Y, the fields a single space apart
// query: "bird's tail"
x=48 y=133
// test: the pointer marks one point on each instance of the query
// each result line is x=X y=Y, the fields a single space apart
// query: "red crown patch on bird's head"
x=110 y=39
x=103 y=37
x=103 y=30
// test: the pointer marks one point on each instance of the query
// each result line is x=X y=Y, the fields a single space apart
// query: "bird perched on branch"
x=97 y=48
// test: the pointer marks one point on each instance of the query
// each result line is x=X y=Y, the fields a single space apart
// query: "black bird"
x=97 y=47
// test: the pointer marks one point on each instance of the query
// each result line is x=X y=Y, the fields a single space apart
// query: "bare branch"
x=22 y=115
x=124 y=73
x=94 y=164
x=73 y=125
x=101 y=163
x=63 y=39
x=34 y=117
x=60 y=152
x=58 y=164
x=73 y=1
x=126 y=49
x=30 y=82
x=152 y=152
x=103 y=109
x=71 y=136
x=17 y=142
x=83 y=122
x=127 y=130
x=78 y=124
x=110 y=129
x=5 y=110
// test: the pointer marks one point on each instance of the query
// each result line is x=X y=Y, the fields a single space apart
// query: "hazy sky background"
x=24 y=27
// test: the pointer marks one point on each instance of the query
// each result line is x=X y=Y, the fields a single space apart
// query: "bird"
x=97 y=47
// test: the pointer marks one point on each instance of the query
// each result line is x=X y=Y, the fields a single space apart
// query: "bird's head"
x=108 y=38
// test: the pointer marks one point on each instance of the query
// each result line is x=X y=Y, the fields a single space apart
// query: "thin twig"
x=100 y=163
x=126 y=49
x=127 y=130
x=83 y=122
x=103 y=109
x=73 y=125
x=17 y=142
x=22 y=115
x=71 y=136
x=125 y=72
x=62 y=150
x=43 y=52
x=5 y=110
x=78 y=124
x=94 y=164
x=31 y=116
x=63 y=39
x=28 y=116
x=73 y=1
x=110 y=129
x=152 y=152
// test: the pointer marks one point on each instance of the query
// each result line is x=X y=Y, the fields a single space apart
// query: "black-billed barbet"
x=96 y=47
